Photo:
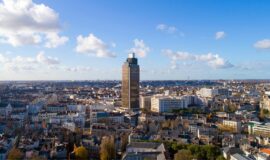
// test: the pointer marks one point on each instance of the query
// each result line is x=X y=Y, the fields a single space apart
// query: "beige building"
x=265 y=102
x=145 y=102
x=233 y=124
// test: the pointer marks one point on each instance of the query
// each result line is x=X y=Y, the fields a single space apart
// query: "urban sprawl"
x=135 y=120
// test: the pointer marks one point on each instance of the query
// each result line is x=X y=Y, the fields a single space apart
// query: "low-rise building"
x=167 y=104
x=257 y=128
x=265 y=102
x=145 y=150
x=145 y=102
x=233 y=124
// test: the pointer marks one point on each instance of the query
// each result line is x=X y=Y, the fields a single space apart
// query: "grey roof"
x=240 y=157
x=153 y=145
x=142 y=156
x=232 y=150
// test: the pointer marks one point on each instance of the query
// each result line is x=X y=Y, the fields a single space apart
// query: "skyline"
x=176 y=40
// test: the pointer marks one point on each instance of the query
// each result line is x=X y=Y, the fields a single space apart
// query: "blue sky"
x=176 y=39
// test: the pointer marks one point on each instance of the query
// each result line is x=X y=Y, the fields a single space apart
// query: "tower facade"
x=130 y=83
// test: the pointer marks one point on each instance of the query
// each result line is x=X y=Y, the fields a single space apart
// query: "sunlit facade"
x=130 y=83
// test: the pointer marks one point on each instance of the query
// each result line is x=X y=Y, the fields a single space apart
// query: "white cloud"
x=169 y=29
x=161 y=27
x=54 y=40
x=262 y=44
x=140 y=48
x=166 y=28
x=24 y=22
x=78 y=69
x=220 y=35
x=19 y=63
x=92 y=45
x=213 y=60
x=3 y=58
x=41 y=58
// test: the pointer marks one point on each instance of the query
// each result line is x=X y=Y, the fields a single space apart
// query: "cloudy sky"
x=176 y=39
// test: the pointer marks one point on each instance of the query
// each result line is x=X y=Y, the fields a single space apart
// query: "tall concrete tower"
x=130 y=83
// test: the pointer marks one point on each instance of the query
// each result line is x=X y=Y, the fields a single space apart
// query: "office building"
x=167 y=104
x=130 y=83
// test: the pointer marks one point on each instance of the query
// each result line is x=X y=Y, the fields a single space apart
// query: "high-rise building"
x=130 y=83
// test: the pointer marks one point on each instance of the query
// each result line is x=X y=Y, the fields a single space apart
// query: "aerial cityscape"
x=134 y=80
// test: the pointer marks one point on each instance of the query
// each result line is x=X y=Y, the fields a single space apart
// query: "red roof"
x=265 y=150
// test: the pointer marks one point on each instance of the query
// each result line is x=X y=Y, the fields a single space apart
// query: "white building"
x=207 y=92
x=193 y=100
x=258 y=128
x=167 y=104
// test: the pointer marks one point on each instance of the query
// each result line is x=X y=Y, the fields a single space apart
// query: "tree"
x=36 y=157
x=197 y=151
x=124 y=142
x=15 y=154
x=232 y=107
x=107 y=148
x=220 y=158
x=205 y=152
x=81 y=153
x=175 y=147
x=212 y=152
x=183 y=154
x=263 y=113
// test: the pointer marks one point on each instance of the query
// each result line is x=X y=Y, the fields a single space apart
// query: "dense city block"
x=176 y=120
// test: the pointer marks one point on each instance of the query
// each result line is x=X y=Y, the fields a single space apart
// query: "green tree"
x=212 y=152
x=197 y=151
x=200 y=152
x=220 y=158
x=183 y=154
